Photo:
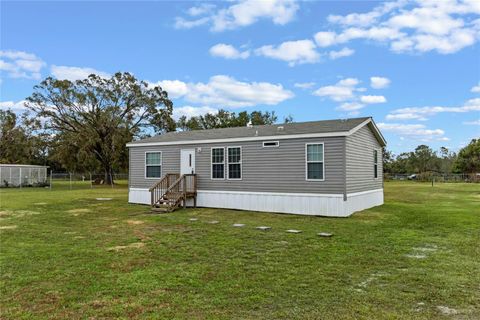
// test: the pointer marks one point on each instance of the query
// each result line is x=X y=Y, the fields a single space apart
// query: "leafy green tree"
x=19 y=140
x=226 y=119
x=424 y=159
x=388 y=160
x=93 y=119
x=468 y=160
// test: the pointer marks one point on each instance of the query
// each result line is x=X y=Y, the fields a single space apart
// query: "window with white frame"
x=315 y=161
x=375 y=163
x=218 y=163
x=153 y=164
x=234 y=163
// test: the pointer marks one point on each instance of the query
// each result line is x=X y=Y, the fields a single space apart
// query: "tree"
x=388 y=160
x=226 y=119
x=93 y=119
x=19 y=141
x=468 y=160
x=424 y=159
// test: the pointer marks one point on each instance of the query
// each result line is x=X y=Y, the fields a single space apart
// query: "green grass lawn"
x=65 y=255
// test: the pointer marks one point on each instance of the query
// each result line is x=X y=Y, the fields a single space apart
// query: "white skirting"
x=331 y=205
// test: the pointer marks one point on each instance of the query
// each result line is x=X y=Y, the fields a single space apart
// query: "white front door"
x=187 y=161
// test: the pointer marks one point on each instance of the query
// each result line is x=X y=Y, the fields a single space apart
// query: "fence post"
x=51 y=176
x=10 y=182
x=20 y=178
x=91 y=182
x=111 y=179
x=70 y=180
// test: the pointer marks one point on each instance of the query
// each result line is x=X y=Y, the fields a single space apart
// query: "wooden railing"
x=158 y=190
x=184 y=187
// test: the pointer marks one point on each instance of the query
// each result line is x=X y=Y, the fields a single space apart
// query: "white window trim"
x=145 y=165
x=378 y=175
x=241 y=163
x=306 y=161
x=277 y=144
x=211 y=163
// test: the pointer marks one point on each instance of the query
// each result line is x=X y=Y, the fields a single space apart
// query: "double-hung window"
x=375 y=164
x=218 y=163
x=153 y=165
x=234 y=163
x=315 y=161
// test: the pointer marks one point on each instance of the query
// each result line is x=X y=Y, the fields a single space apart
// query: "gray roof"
x=324 y=126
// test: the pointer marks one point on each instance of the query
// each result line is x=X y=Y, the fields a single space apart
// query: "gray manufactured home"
x=327 y=168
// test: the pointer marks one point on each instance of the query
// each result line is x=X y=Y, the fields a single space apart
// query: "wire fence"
x=435 y=177
x=71 y=181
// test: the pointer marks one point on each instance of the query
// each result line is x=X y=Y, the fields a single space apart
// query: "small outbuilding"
x=328 y=168
x=23 y=175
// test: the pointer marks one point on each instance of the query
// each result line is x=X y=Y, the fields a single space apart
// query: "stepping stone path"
x=238 y=225
x=214 y=222
x=325 y=234
x=104 y=199
x=193 y=219
x=293 y=231
x=263 y=228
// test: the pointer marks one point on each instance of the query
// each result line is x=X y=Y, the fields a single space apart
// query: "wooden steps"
x=169 y=194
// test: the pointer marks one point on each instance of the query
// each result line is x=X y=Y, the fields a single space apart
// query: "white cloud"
x=14 y=106
x=304 y=85
x=225 y=91
x=379 y=82
x=75 y=73
x=369 y=99
x=190 y=111
x=414 y=131
x=228 y=52
x=472 y=123
x=476 y=89
x=202 y=9
x=423 y=113
x=325 y=38
x=240 y=14
x=174 y=88
x=345 y=52
x=20 y=64
x=350 y=106
x=341 y=91
x=293 y=52
x=406 y=26
x=181 y=23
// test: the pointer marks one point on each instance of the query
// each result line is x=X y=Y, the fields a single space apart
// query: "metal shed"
x=23 y=175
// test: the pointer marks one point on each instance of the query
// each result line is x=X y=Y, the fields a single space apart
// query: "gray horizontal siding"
x=280 y=169
x=360 y=173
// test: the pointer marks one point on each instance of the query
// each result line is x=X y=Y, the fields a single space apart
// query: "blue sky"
x=413 y=66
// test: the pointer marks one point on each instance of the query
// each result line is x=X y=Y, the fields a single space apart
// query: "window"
x=315 y=163
x=218 y=163
x=153 y=165
x=375 y=163
x=270 y=144
x=234 y=163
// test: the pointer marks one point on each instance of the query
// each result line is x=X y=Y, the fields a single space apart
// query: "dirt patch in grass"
x=447 y=311
x=135 y=222
x=40 y=204
x=17 y=214
x=135 y=245
x=77 y=212
x=8 y=227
